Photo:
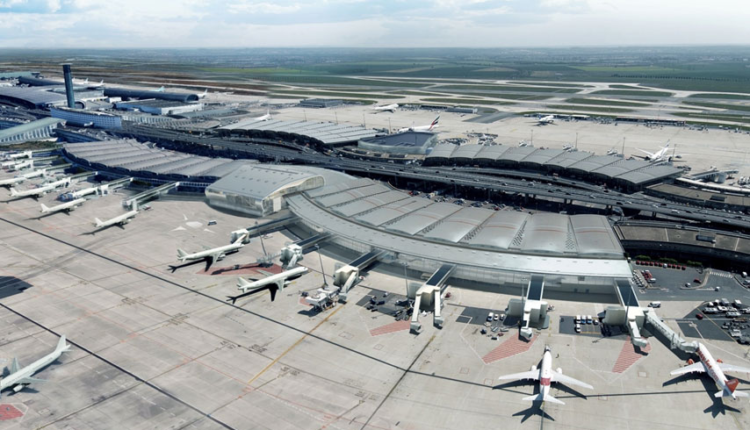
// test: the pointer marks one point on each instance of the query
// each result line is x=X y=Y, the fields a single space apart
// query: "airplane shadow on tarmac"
x=10 y=286
x=718 y=406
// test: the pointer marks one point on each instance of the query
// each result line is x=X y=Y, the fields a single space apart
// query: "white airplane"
x=212 y=255
x=67 y=207
x=715 y=370
x=119 y=220
x=84 y=192
x=24 y=154
x=36 y=192
x=545 y=375
x=659 y=155
x=81 y=81
x=12 y=181
x=160 y=89
x=20 y=166
x=549 y=119
x=203 y=94
x=387 y=108
x=271 y=282
x=17 y=378
x=265 y=117
x=433 y=125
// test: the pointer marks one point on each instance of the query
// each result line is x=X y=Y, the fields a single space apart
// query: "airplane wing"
x=697 y=367
x=531 y=374
x=650 y=154
x=732 y=368
x=567 y=380
x=31 y=381
x=264 y=273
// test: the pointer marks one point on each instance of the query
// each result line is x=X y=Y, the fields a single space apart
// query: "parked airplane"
x=40 y=191
x=433 y=125
x=160 y=89
x=212 y=255
x=12 y=181
x=545 y=375
x=67 y=207
x=24 y=154
x=20 y=166
x=119 y=220
x=99 y=85
x=271 y=282
x=715 y=370
x=17 y=379
x=265 y=117
x=203 y=94
x=388 y=108
x=84 y=192
x=549 y=119
x=660 y=155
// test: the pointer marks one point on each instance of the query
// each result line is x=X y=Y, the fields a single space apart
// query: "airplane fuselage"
x=713 y=370
x=545 y=374
x=69 y=206
x=273 y=279
x=16 y=378
x=220 y=252
x=121 y=220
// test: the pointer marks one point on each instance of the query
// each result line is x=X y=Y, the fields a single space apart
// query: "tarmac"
x=153 y=348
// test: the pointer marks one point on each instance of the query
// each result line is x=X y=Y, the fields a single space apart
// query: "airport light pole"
x=322 y=269
x=406 y=280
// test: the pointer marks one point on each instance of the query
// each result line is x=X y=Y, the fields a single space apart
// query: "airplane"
x=612 y=151
x=568 y=147
x=17 y=379
x=265 y=117
x=660 y=155
x=549 y=119
x=271 y=282
x=12 y=181
x=434 y=124
x=388 y=108
x=119 y=220
x=212 y=255
x=84 y=192
x=81 y=81
x=715 y=369
x=24 y=154
x=203 y=94
x=20 y=166
x=37 y=192
x=160 y=89
x=67 y=207
x=545 y=375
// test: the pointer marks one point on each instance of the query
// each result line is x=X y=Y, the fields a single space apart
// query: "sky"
x=369 y=23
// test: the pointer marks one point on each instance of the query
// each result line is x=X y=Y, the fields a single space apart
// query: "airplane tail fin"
x=180 y=253
x=434 y=123
x=242 y=284
x=45 y=209
x=62 y=345
x=98 y=222
x=13 y=192
x=732 y=385
x=542 y=398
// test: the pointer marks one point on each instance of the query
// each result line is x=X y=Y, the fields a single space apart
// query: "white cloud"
x=249 y=6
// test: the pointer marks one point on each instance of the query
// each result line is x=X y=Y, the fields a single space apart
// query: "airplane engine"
x=533 y=368
x=559 y=370
x=18 y=388
x=690 y=361
x=718 y=360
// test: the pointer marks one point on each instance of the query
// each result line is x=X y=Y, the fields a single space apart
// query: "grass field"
x=590 y=109
x=605 y=102
x=550 y=84
x=717 y=116
x=626 y=87
x=501 y=88
x=335 y=94
x=719 y=96
x=467 y=101
x=633 y=93
x=719 y=106
x=626 y=69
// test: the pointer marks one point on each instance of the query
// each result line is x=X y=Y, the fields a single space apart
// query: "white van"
x=654 y=304
x=578 y=319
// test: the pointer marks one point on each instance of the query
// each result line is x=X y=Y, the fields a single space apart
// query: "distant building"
x=321 y=103
x=39 y=129
x=160 y=107
x=259 y=190
x=410 y=142
x=85 y=118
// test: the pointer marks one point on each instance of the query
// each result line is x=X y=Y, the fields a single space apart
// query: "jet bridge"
x=259 y=229
x=531 y=309
x=294 y=252
x=430 y=295
x=347 y=276
x=147 y=195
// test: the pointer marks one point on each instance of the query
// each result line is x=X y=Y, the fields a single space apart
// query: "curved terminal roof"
x=134 y=158
x=29 y=126
x=609 y=167
x=260 y=181
x=144 y=94
x=372 y=204
x=458 y=225
x=392 y=211
x=327 y=133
